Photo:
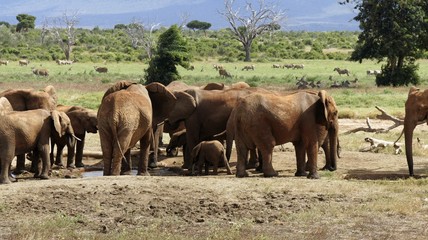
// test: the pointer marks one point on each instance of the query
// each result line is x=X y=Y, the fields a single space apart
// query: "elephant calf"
x=209 y=152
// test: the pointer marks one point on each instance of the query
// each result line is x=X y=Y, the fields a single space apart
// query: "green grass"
x=356 y=102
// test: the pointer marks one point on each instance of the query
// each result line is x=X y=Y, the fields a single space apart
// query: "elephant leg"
x=153 y=157
x=299 y=148
x=259 y=168
x=5 y=166
x=268 y=170
x=126 y=168
x=242 y=155
x=20 y=164
x=70 y=157
x=312 y=152
x=35 y=163
x=107 y=149
x=80 y=145
x=253 y=161
x=144 y=155
x=44 y=152
x=215 y=166
x=207 y=167
x=58 y=158
x=325 y=147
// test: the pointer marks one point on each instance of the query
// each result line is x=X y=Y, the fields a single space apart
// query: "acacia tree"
x=171 y=50
x=198 y=25
x=396 y=30
x=258 y=20
x=64 y=32
x=26 y=22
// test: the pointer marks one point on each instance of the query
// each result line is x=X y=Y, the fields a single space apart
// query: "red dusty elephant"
x=126 y=115
x=265 y=120
x=416 y=111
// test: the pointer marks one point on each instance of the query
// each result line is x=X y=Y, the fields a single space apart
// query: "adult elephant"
x=29 y=99
x=127 y=114
x=25 y=131
x=416 y=111
x=83 y=121
x=265 y=120
x=208 y=117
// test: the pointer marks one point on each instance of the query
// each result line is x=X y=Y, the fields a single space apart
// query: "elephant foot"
x=313 y=176
x=80 y=165
x=43 y=176
x=143 y=174
x=329 y=168
x=172 y=152
x=300 y=174
x=126 y=172
x=252 y=165
x=71 y=166
x=242 y=174
x=186 y=166
x=59 y=164
x=270 y=174
x=5 y=181
x=19 y=171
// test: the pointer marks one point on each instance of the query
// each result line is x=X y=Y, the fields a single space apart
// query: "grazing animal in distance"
x=101 y=69
x=224 y=73
x=23 y=62
x=276 y=66
x=40 y=71
x=341 y=71
x=248 y=67
x=4 y=62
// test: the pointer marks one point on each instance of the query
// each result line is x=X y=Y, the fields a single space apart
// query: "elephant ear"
x=163 y=101
x=57 y=122
x=323 y=109
x=117 y=87
x=5 y=106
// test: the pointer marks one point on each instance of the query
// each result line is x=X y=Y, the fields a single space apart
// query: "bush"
x=407 y=75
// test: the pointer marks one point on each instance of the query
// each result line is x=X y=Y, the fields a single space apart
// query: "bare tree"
x=64 y=32
x=141 y=36
x=257 y=20
x=44 y=31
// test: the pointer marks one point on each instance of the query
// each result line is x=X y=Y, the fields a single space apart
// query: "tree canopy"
x=396 y=30
x=246 y=28
x=26 y=22
x=198 y=25
x=171 y=50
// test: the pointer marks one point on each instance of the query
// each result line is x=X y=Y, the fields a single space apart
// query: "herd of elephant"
x=257 y=120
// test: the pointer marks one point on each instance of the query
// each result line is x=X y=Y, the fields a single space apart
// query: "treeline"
x=114 y=45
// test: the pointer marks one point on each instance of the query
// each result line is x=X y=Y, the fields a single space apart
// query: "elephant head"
x=416 y=109
x=329 y=118
x=83 y=120
x=184 y=107
x=63 y=127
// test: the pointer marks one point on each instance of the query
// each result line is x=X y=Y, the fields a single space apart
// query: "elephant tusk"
x=78 y=139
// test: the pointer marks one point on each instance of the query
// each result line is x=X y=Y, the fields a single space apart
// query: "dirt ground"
x=218 y=207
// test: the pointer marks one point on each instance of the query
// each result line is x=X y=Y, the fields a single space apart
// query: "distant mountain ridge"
x=309 y=15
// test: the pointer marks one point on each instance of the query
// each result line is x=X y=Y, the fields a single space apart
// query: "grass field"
x=358 y=102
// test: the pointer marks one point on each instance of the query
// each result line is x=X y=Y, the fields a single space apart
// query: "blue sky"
x=301 y=14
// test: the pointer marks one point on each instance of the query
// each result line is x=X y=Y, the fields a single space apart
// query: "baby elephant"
x=209 y=152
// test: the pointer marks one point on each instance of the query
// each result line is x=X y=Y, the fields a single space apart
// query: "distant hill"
x=308 y=15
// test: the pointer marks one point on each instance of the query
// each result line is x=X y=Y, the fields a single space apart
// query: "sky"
x=308 y=15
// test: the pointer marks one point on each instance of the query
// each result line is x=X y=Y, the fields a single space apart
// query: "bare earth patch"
x=368 y=197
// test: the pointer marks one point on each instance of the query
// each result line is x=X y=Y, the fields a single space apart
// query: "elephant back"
x=117 y=87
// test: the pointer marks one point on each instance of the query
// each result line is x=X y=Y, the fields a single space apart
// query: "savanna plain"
x=369 y=196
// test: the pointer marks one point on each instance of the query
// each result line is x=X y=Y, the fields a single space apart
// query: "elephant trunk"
x=408 y=139
x=334 y=149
